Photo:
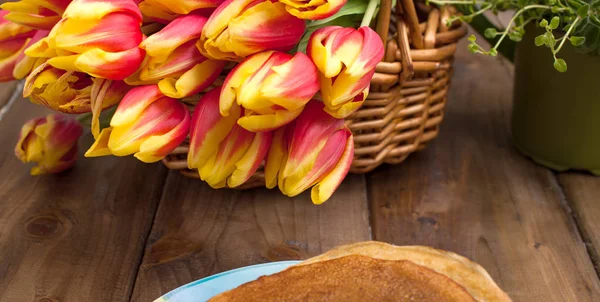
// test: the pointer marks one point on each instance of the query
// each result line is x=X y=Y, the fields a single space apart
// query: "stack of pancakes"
x=375 y=271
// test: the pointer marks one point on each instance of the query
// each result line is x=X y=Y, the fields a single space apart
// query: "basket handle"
x=383 y=20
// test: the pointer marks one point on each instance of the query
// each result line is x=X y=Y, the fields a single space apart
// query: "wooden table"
x=115 y=229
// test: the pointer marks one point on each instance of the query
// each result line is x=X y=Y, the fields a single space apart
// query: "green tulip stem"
x=369 y=13
x=85 y=118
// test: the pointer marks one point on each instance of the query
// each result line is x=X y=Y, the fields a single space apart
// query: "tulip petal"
x=323 y=190
x=253 y=32
x=268 y=122
x=291 y=84
x=346 y=109
x=26 y=145
x=239 y=28
x=134 y=103
x=97 y=9
x=345 y=88
x=115 y=32
x=250 y=162
x=276 y=157
x=223 y=163
x=25 y=63
x=323 y=161
x=311 y=11
x=157 y=147
x=160 y=119
x=109 y=65
x=312 y=129
x=179 y=31
x=100 y=146
x=193 y=81
x=236 y=78
x=370 y=55
x=208 y=128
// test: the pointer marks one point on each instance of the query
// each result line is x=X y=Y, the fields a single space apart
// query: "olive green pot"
x=556 y=116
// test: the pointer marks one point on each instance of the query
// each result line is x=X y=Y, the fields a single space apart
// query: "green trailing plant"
x=563 y=21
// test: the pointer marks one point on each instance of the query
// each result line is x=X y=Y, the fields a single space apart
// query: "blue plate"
x=208 y=287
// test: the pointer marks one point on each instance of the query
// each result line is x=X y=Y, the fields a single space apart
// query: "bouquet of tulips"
x=292 y=76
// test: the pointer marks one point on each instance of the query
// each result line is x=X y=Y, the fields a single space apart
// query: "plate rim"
x=164 y=297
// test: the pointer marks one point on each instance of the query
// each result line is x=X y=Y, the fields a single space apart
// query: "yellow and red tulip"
x=97 y=37
x=174 y=62
x=346 y=59
x=313 y=9
x=147 y=124
x=14 y=38
x=38 y=14
x=239 y=28
x=272 y=87
x=225 y=154
x=166 y=11
x=50 y=142
x=316 y=151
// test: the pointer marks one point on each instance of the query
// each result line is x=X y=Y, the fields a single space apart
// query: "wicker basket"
x=408 y=91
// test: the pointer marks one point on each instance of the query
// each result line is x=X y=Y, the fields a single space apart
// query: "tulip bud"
x=346 y=59
x=239 y=28
x=316 y=150
x=146 y=124
x=174 y=62
x=313 y=10
x=166 y=11
x=272 y=87
x=14 y=38
x=49 y=141
x=97 y=37
x=225 y=154
x=38 y=14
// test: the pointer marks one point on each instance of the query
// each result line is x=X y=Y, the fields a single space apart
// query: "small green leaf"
x=490 y=32
x=515 y=36
x=467 y=19
x=540 y=40
x=583 y=11
x=472 y=38
x=577 y=41
x=543 y=23
x=549 y=39
x=555 y=22
x=560 y=65
x=473 y=48
x=551 y=2
x=493 y=52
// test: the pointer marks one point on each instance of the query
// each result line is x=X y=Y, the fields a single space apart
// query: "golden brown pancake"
x=351 y=278
x=463 y=271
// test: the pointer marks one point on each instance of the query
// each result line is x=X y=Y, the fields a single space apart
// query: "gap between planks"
x=585 y=235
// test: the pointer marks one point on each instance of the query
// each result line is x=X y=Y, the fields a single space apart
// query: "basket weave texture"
x=408 y=91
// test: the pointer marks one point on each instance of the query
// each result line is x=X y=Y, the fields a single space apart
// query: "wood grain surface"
x=582 y=193
x=115 y=229
x=470 y=192
x=77 y=236
x=199 y=231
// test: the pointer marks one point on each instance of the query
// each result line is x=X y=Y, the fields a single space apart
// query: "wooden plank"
x=470 y=192
x=78 y=236
x=199 y=231
x=6 y=92
x=582 y=192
